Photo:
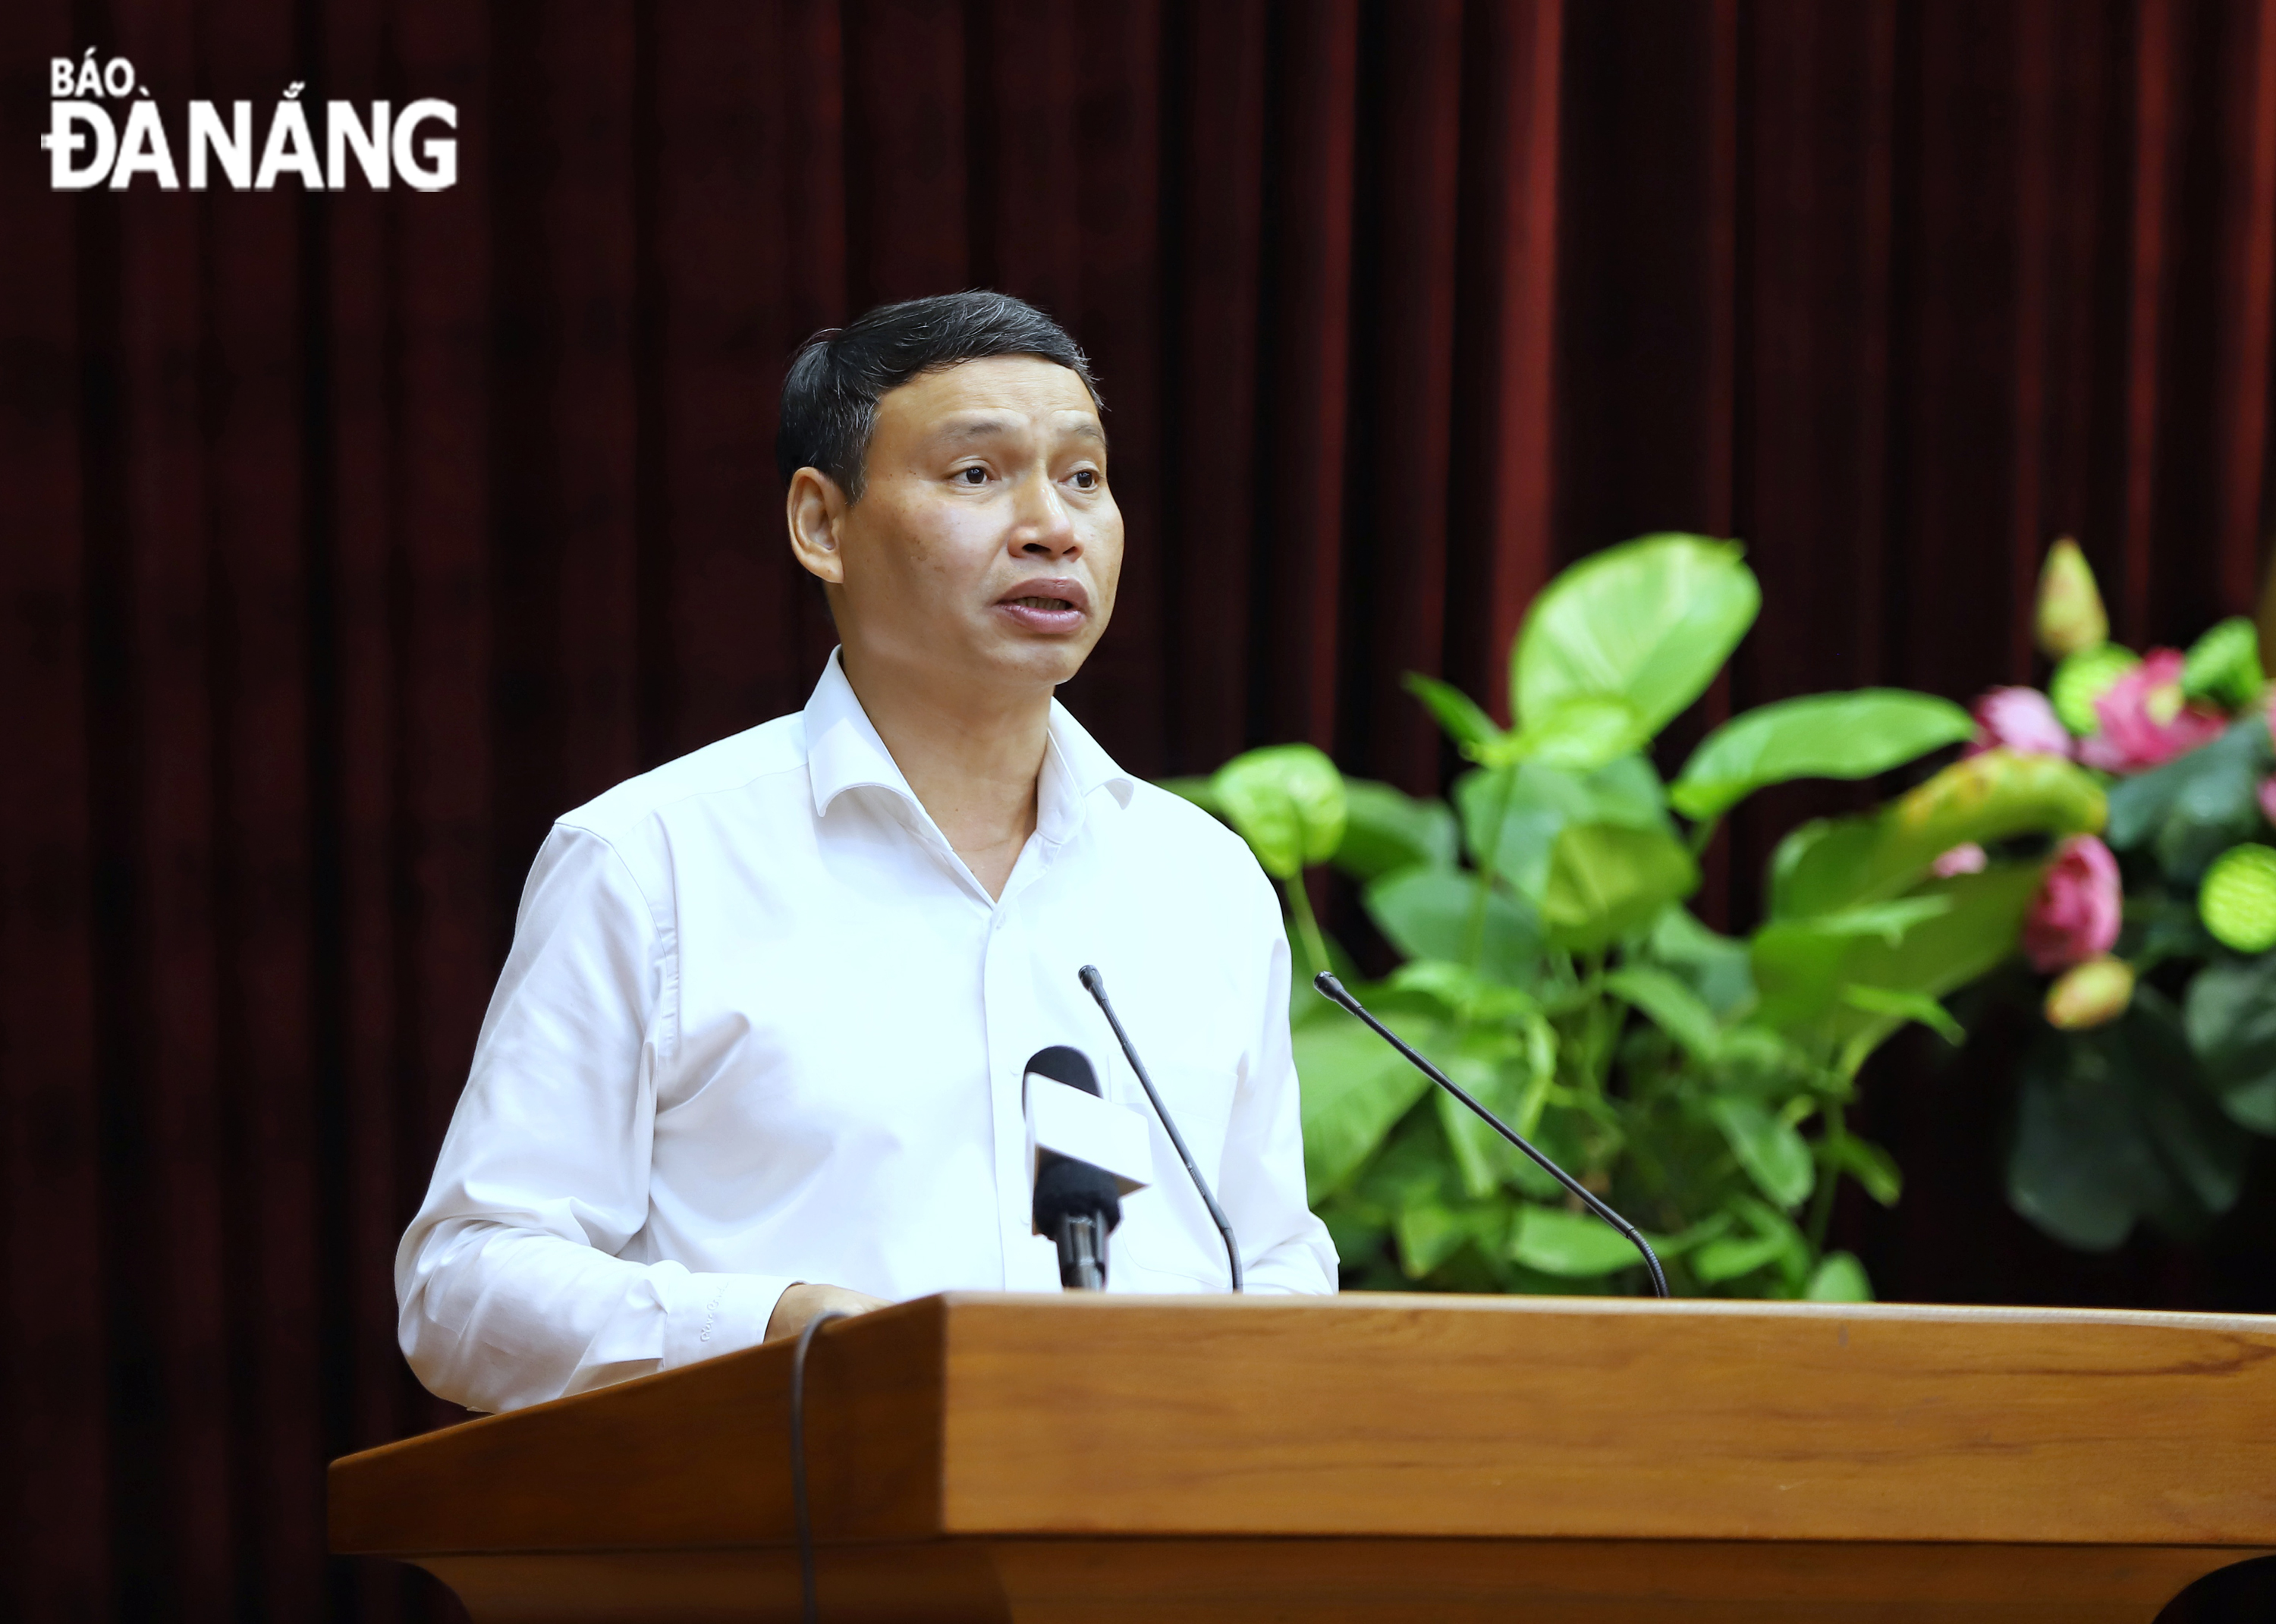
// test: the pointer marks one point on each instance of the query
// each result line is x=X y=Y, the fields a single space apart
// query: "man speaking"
x=759 y=1048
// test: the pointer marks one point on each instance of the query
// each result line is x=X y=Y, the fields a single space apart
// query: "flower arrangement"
x=2157 y=1064
x=1700 y=1082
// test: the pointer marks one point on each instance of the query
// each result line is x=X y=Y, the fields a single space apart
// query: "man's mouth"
x=1057 y=606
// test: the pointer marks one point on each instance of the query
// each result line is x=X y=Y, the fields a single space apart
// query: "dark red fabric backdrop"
x=348 y=539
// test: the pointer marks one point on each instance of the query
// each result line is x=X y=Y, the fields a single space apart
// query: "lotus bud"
x=2238 y=898
x=2224 y=665
x=2090 y=994
x=2084 y=678
x=2019 y=719
x=2070 y=619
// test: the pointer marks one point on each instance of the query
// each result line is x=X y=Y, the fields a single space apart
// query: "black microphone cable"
x=800 y=1516
x=1332 y=988
x=1095 y=984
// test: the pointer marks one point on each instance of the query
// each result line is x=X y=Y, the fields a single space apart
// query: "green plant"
x=1702 y=1082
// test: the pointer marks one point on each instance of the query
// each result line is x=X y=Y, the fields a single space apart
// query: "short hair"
x=829 y=396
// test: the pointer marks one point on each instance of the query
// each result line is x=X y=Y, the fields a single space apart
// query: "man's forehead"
x=997 y=395
x=981 y=423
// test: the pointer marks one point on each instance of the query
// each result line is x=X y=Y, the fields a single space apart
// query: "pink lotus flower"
x=2268 y=798
x=2074 y=916
x=2145 y=720
x=2021 y=720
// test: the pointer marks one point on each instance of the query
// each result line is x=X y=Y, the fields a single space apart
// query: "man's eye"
x=1086 y=479
x=975 y=475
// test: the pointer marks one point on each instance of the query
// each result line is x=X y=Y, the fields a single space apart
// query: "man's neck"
x=972 y=758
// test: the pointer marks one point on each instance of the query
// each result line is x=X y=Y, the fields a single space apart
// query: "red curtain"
x=350 y=538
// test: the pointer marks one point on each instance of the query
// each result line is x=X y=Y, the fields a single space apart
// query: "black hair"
x=830 y=397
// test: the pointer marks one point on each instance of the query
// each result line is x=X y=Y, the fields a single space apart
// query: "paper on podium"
x=1089 y=1129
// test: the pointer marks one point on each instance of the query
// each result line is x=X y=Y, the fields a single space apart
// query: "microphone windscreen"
x=1062 y=1064
x=1065 y=1187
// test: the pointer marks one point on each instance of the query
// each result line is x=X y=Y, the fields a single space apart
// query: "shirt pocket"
x=1198 y=1096
x=1168 y=1242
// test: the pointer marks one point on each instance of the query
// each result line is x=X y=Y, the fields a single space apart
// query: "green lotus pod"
x=2071 y=619
x=2084 y=678
x=2091 y=994
x=2238 y=898
x=2224 y=665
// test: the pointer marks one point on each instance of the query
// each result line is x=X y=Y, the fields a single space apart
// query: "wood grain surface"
x=1522 y=1417
x=1338 y=1582
x=1107 y=1458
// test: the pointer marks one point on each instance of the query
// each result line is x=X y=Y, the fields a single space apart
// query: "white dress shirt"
x=761 y=1025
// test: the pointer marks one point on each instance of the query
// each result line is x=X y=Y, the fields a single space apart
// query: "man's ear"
x=815 y=509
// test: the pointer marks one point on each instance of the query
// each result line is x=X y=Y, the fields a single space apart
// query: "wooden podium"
x=1127 y=1458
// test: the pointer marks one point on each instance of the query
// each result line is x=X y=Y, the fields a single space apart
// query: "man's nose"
x=1043 y=528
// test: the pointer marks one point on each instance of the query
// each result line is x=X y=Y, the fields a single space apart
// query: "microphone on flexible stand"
x=1095 y=984
x=1333 y=990
x=1076 y=1203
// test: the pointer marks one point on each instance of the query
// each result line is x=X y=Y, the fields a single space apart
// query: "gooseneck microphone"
x=1332 y=988
x=1077 y=1204
x=1095 y=984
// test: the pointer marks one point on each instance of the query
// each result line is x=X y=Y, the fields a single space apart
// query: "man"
x=758 y=1049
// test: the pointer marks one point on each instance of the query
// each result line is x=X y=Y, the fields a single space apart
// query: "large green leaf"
x=1511 y=815
x=1386 y=830
x=1806 y=969
x=1575 y=1245
x=1828 y=865
x=1425 y=913
x=1822 y=736
x=1579 y=734
x=1287 y=801
x=2230 y=1018
x=1648 y=622
x=1774 y=1154
x=2117 y=1124
x=1353 y=1088
x=1607 y=880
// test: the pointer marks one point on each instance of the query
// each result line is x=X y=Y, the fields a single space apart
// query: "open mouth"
x=1055 y=606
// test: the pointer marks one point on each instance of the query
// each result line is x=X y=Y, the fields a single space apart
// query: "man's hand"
x=801 y=1302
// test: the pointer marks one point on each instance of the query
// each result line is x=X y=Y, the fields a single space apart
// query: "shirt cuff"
x=713 y=1314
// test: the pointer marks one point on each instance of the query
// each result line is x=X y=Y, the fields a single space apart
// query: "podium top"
x=1511 y=1417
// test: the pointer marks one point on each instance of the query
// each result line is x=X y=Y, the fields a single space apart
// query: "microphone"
x=1333 y=990
x=1095 y=984
x=1076 y=1203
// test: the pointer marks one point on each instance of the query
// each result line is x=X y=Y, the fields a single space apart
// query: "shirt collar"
x=842 y=751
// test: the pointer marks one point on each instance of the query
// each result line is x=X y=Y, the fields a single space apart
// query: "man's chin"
x=1036 y=660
